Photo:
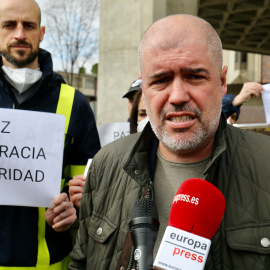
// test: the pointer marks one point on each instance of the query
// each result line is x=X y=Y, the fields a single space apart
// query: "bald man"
x=183 y=82
x=32 y=237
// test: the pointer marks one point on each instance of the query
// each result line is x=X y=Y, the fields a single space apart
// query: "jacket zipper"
x=131 y=260
x=148 y=196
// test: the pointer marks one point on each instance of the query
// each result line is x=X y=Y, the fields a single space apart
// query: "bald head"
x=37 y=8
x=177 y=30
x=21 y=6
x=20 y=33
x=39 y=12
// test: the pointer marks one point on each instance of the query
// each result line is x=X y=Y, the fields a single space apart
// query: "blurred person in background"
x=138 y=116
x=134 y=87
x=232 y=113
x=231 y=104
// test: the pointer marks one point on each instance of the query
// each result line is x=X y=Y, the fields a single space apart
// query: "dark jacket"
x=19 y=225
x=228 y=107
x=121 y=173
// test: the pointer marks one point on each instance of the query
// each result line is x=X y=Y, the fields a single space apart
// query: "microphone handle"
x=144 y=241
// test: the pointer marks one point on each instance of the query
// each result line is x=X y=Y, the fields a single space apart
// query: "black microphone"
x=144 y=227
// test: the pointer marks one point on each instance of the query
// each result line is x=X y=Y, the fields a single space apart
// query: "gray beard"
x=194 y=141
x=199 y=137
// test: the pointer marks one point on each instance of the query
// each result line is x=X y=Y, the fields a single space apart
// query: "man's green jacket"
x=122 y=172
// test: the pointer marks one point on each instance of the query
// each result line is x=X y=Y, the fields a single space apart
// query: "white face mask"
x=21 y=78
x=228 y=122
x=142 y=124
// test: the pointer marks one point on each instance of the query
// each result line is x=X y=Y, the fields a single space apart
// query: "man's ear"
x=224 y=80
x=42 y=33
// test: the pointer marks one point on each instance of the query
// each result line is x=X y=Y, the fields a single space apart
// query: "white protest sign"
x=87 y=166
x=113 y=131
x=31 y=156
x=266 y=101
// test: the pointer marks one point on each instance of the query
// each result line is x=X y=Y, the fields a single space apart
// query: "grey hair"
x=209 y=34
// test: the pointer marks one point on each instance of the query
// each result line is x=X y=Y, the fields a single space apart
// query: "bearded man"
x=183 y=83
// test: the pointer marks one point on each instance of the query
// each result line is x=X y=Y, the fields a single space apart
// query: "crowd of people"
x=181 y=124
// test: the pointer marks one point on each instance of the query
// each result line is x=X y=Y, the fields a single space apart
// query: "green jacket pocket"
x=253 y=237
x=100 y=228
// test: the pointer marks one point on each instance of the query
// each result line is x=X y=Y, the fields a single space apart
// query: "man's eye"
x=196 y=77
x=30 y=26
x=7 y=25
x=161 y=81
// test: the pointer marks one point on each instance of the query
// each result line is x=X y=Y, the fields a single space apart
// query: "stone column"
x=122 y=23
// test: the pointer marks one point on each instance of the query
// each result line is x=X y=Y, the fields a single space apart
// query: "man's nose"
x=179 y=92
x=19 y=34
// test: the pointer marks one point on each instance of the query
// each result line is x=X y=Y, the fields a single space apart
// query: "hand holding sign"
x=62 y=214
x=76 y=186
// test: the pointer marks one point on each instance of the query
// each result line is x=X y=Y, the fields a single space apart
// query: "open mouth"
x=183 y=118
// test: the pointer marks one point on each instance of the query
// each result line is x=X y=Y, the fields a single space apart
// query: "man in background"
x=40 y=238
x=231 y=104
x=134 y=87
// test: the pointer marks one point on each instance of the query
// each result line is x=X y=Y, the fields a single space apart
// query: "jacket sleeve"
x=228 y=107
x=79 y=253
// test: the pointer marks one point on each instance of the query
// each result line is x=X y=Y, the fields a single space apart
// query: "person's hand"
x=249 y=90
x=62 y=214
x=76 y=186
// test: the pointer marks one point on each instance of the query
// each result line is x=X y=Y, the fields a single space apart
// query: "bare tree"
x=71 y=30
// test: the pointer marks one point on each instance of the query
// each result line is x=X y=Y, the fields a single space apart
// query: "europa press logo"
x=137 y=254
